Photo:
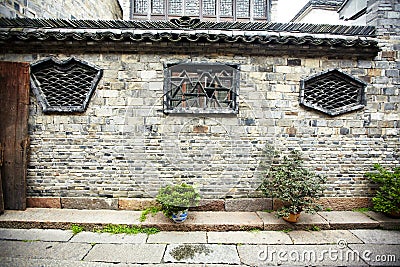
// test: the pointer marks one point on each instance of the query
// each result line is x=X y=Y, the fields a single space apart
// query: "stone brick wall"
x=124 y=146
x=66 y=9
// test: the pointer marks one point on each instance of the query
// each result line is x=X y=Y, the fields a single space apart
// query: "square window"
x=201 y=88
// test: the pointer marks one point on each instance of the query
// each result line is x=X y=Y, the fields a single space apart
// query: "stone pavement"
x=197 y=221
x=342 y=238
x=55 y=247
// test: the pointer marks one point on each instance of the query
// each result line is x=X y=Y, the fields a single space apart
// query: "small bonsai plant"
x=387 y=199
x=292 y=183
x=175 y=200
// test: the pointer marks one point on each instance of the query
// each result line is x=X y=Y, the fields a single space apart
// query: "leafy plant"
x=176 y=198
x=387 y=197
x=296 y=186
x=365 y=209
x=152 y=210
x=76 y=229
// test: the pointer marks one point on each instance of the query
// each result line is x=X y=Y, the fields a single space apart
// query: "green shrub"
x=175 y=198
x=296 y=186
x=387 y=197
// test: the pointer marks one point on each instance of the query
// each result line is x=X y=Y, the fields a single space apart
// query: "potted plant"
x=175 y=200
x=387 y=198
x=292 y=183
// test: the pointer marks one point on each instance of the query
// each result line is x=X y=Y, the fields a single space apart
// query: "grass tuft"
x=123 y=229
x=76 y=229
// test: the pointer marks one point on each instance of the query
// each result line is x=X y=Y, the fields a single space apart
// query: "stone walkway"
x=197 y=221
x=342 y=238
x=54 y=247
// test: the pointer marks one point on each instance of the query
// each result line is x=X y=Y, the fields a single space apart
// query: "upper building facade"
x=56 y=9
x=216 y=10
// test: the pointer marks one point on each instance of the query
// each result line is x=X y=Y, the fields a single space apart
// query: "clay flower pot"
x=292 y=218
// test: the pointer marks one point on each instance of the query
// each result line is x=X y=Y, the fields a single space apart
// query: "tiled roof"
x=186 y=23
x=191 y=30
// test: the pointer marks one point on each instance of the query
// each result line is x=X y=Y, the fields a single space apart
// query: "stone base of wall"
x=239 y=204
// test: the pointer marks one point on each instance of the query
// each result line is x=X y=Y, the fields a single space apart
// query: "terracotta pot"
x=292 y=218
x=394 y=214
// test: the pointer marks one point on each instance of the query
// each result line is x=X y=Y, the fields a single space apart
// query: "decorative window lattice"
x=333 y=93
x=243 y=8
x=192 y=8
x=157 y=6
x=260 y=9
x=209 y=8
x=201 y=88
x=64 y=86
x=140 y=6
x=175 y=7
x=226 y=8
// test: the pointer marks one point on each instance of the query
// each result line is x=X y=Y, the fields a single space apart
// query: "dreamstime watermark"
x=340 y=253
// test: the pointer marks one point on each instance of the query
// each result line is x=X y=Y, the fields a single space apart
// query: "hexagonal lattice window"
x=333 y=92
x=64 y=86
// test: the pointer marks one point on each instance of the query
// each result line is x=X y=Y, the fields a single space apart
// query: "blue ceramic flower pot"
x=180 y=217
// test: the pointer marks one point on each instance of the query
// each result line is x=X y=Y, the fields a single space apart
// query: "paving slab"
x=100 y=238
x=348 y=220
x=377 y=236
x=43 y=250
x=385 y=222
x=23 y=262
x=273 y=223
x=126 y=253
x=63 y=218
x=201 y=253
x=297 y=255
x=35 y=234
x=207 y=221
x=307 y=221
x=378 y=254
x=178 y=237
x=323 y=237
x=261 y=237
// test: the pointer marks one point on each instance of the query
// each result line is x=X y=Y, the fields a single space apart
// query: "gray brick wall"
x=124 y=146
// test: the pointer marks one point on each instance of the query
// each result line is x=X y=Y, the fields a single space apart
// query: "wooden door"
x=1 y=187
x=14 y=110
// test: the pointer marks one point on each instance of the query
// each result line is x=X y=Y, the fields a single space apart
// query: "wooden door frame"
x=14 y=103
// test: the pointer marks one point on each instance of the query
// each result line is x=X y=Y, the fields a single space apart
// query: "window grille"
x=209 y=9
x=201 y=88
x=226 y=8
x=192 y=8
x=64 y=86
x=333 y=93
x=175 y=7
x=243 y=8
x=140 y=6
x=157 y=6
x=260 y=9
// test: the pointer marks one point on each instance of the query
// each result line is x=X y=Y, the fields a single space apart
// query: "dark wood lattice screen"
x=64 y=86
x=201 y=88
x=333 y=93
